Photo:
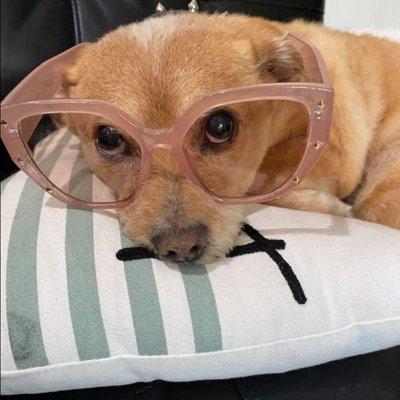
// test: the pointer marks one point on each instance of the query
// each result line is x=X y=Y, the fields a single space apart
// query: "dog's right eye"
x=110 y=141
x=220 y=127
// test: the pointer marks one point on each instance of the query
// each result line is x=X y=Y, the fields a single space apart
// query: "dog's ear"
x=72 y=75
x=280 y=59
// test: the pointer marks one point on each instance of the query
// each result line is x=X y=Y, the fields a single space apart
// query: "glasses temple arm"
x=315 y=67
x=42 y=83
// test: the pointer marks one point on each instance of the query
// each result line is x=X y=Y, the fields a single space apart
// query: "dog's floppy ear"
x=74 y=72
x=70 y=78
x=280 y=59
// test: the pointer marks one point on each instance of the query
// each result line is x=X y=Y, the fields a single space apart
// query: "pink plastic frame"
x=33 y=96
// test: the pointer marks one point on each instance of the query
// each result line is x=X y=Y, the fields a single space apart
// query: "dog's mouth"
x=258 y=244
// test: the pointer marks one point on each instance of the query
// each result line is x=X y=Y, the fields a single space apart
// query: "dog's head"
x=154 y=71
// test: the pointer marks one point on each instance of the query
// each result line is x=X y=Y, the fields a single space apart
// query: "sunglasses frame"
x=33 y=97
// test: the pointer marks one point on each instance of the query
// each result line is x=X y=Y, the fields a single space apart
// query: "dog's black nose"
x=180 y=245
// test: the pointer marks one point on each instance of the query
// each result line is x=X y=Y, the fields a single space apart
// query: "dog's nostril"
x=195 y=249
x=172 y=254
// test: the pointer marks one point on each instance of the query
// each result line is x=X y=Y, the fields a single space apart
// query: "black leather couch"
x=34 y=30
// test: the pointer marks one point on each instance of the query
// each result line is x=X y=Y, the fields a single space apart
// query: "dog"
x=154 y=70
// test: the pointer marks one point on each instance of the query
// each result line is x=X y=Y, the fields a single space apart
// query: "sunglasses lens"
x=249 y=148
x=87 y=157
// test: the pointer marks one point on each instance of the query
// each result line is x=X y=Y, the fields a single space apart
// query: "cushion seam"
x=206 y=354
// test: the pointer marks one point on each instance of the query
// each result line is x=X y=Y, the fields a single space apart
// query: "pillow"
x=306 y=289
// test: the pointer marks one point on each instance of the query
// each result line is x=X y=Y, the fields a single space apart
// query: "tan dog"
x=156 y=69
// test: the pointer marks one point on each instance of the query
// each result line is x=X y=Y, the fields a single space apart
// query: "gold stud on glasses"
x=193 y=6
x=49 y=190
x=4 y=123
x=321 y=104
x=160 y=8
x=317 y=145
x=296 y=180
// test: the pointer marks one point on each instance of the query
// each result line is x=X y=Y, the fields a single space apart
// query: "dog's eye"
x=110 y=141
x=220 y=127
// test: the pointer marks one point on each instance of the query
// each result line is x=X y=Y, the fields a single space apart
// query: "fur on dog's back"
x=364 y=149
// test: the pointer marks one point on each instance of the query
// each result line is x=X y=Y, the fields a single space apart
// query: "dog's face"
x=154 y=71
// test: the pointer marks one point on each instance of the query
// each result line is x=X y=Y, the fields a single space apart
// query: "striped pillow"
x=74 y=316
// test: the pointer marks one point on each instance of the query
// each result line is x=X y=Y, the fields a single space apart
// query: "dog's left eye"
x=110 y=141
x=220 y=127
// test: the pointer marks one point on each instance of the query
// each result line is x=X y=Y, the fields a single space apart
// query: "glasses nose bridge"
x=159 y=139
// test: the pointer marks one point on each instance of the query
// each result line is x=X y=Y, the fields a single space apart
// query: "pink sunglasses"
x=33 y=97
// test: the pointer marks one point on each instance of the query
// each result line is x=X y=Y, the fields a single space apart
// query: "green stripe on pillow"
x=203 y=308
x=21 y=287
x=87 y=321
x=25 y=331
x=145 y=305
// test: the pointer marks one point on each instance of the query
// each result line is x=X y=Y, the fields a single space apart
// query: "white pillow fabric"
x=74 y=316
